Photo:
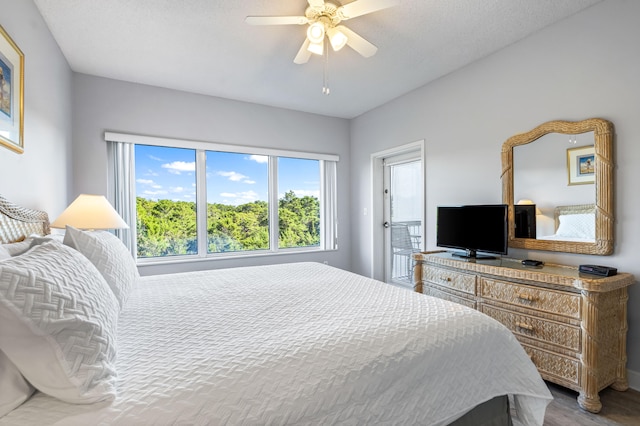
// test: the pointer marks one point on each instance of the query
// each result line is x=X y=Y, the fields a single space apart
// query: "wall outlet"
x=326 y=262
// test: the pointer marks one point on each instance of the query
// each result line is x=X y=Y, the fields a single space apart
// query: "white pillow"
x=58 y=323
x=110 y=256
x=4 y=254
x=14 y=389
x=581 y=225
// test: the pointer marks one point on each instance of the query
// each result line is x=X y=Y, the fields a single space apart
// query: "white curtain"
x=121 y=156
x=329 y=204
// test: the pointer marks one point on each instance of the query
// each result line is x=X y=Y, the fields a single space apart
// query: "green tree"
x=167 y=227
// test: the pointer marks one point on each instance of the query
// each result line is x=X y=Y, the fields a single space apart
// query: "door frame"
x=377 y=203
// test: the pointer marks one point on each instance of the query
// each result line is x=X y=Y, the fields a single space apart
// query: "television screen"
x=473 y=228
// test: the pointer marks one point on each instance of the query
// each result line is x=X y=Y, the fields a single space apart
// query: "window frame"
x=327 y=197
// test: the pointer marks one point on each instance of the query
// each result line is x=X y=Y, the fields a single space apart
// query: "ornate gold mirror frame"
x=603 y=146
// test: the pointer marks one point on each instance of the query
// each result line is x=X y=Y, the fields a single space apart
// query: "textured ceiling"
x=204 y=46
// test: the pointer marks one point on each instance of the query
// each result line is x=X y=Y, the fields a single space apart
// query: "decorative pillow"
x=58 y=323
x=577 y=226
x=110 y=256
x=14 y=389
x=4 y=254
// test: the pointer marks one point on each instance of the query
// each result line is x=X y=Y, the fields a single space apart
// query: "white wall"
x=585 y=66
x=39 y=178
x=108 y=105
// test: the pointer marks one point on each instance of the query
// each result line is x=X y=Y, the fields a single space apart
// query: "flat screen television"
x=473 y=228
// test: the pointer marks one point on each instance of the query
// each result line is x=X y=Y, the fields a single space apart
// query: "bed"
x=575 y=223
x=301 y=343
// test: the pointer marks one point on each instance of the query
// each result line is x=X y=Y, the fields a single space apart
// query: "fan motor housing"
x=327 y=14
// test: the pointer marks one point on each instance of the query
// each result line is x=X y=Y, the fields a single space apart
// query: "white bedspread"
x=302 y=344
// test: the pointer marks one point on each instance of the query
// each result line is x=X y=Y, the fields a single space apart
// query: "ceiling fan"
x=324 y=20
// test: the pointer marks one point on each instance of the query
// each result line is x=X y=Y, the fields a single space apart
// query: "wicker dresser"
x=573 y=326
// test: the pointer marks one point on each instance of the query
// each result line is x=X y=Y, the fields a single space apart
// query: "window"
x=165 y=201
x=194 y=199
x=237 y=202
x=298 y=202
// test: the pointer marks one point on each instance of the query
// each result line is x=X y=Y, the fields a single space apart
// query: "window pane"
x=298 y=202
x=237 y=207
x=165 y=201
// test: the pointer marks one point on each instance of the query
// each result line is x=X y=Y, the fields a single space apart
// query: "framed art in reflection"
x=581 y=165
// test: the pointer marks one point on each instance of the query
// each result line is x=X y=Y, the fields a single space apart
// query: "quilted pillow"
x=14 y=389
x=110 y=256
x=577 y=226
x=58 y=323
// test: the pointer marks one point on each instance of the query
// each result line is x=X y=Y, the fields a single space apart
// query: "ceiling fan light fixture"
x=315 y=32
x=337 y=38
x=316 y=48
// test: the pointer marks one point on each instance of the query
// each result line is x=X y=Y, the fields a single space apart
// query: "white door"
x=403 y=215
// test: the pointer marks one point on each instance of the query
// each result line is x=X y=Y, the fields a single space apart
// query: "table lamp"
x=90 y=212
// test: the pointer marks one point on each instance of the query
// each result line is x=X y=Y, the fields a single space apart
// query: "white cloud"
x=250 y=182
x=156 y=186
x=177 y=189
x=233 y=176
x=144 y=181
x=259 y=158
x=237 y=198
x=177 y=167
x=151 y=173
x=155 y=158
x=154 y=192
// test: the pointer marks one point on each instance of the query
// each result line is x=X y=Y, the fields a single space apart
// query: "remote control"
x=531 y=262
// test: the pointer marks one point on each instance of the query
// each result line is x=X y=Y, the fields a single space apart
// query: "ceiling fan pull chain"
x=325 y=74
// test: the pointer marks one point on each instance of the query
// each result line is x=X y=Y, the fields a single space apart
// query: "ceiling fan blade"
x=276 y=20
x=303 y=54
x=357 y=43
x=362 y=7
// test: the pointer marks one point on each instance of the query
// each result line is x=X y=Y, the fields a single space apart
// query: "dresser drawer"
x=564 y=335
x=556 y=366
x=550 y=301
x=465 y=283
x=430 y=291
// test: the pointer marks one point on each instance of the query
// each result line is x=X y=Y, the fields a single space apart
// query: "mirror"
x=557 y=180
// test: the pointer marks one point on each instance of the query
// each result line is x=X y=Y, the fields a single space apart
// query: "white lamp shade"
x=315 y=32
x=316 y=48
x=90 y=212
x=524 y=201
x=337 y=38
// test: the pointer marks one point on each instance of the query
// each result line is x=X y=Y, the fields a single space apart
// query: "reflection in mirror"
x=557 y=182
x=540 y=176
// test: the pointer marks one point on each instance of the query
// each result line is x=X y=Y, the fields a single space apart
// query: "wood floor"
x=618 y=408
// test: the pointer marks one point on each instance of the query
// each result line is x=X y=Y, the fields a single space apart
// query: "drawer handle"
x=524 y=326
x=527 y=297
x=447 y=279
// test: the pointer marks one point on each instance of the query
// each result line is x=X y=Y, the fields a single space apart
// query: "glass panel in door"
x=404 y=208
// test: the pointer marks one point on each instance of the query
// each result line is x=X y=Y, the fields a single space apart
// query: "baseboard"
x=634 y=379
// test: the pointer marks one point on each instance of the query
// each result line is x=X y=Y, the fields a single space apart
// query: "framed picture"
x=11 y=94
x=581 y=165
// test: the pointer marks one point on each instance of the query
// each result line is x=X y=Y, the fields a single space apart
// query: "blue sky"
x=169 y=173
